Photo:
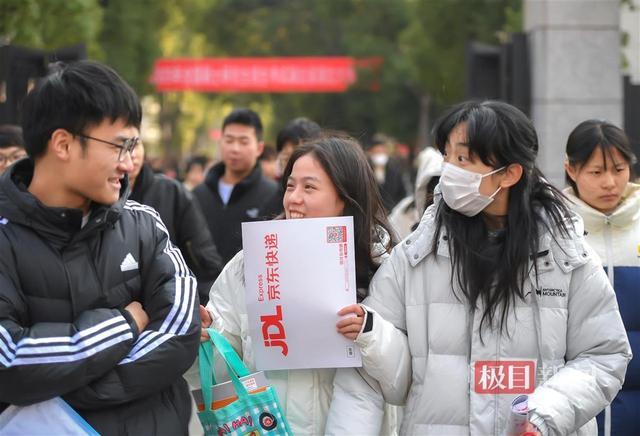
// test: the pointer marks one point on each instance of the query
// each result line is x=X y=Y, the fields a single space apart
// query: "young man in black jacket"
x=182 y=217
x=96 y=305
x=235 y=191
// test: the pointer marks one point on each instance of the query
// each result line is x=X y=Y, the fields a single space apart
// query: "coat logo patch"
x=253 y=212
x=550 y=292
x=129 y=263
x=5 y=221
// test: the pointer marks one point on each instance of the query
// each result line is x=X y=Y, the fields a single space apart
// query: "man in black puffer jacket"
x=183 y=218
x=235 y=191
x=96 y=305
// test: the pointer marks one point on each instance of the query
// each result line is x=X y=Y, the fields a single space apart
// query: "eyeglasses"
x=9 y=159
x=127 y=146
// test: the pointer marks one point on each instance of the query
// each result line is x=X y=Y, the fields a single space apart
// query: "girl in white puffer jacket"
x=329 y=176
x=599 y=167
x=494 y=295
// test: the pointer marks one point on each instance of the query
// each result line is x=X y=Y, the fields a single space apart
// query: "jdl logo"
x=505 y=376
x=273 y=331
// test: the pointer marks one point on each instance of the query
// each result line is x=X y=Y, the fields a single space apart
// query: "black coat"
x=393 y=189
x=187 y=227
x=246 y=203
x=274 y=206
x=63 y=330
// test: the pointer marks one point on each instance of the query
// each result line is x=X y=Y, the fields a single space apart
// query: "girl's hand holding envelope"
x=205 y=322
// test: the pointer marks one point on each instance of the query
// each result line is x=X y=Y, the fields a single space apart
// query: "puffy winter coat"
x=616 y=239
x=392 y=188
x=63 y=330
x=248 y=198
x=184 y=221
x=305 y=394
x=424 y=344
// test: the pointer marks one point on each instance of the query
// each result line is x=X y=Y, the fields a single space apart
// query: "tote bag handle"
x=235 y=367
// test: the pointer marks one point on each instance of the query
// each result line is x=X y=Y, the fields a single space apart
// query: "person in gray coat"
x=495 y=295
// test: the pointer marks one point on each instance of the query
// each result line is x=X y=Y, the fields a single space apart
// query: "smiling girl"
x=325 y=177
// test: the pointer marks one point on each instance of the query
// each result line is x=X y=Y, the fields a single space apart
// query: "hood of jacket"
x=379 y=251
x=430 y=167
x=624 y=215
x=58 y=224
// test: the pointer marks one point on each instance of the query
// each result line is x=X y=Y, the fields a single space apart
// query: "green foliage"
x=422 y=43
x=130 y=34
x=51 y=24
x=359 y=28
x=435 y=41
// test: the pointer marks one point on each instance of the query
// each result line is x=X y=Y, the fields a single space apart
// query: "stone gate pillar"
x=575 y=55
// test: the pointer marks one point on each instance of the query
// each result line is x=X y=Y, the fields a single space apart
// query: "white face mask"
x=461 y=189
x=379 y=159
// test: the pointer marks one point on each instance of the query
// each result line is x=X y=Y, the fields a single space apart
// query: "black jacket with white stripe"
x=185 y=222
x=63 y=330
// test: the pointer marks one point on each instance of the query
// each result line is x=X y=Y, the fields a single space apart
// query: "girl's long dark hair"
x=345 y=163
x=499 y=135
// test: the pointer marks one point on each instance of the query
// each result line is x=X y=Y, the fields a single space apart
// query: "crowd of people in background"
x=472 y=256
x=389 y=159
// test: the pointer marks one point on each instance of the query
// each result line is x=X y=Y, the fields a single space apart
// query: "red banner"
x=290 y=74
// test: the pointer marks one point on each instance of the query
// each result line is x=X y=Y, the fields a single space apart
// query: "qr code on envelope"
x=336 y=234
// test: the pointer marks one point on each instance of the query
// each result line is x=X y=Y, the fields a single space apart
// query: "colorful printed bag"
x=252 y=413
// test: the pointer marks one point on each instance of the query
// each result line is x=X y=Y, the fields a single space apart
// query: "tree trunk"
x=424 y=124
x=168 y=121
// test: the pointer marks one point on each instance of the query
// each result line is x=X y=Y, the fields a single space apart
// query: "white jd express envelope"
x=298 y=275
